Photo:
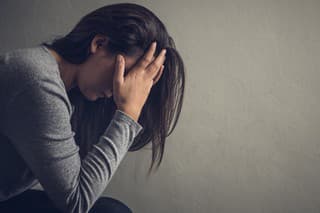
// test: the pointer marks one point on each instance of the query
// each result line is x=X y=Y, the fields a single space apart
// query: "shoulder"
x=30 y=71
x=28 y=64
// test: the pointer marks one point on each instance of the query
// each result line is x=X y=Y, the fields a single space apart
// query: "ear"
x=97 y=42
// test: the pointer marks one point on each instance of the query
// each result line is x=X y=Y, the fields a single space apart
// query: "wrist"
x=132 y=114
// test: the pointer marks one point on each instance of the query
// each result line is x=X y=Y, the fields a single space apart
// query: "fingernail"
x=164 y=51
x=119 y=58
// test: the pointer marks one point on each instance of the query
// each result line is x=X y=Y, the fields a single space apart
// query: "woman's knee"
x=110 y=205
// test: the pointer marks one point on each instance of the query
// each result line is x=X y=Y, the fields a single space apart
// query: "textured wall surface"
x=248 y=137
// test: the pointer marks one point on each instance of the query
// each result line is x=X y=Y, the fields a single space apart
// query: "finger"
x=159 y=74
x=148 y=56
x=156 y=79
x=119 y=70
x=156 y=64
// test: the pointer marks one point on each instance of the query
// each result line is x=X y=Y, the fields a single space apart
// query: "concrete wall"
x=248 y=137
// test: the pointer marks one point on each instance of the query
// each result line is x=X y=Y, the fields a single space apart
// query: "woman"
x=70 y=110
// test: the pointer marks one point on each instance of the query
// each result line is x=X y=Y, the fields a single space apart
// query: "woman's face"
x=95 y=80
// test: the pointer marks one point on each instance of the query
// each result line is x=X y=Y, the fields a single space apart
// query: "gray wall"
x=248 y=138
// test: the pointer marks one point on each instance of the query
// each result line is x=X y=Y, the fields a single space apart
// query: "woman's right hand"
x=131 y=92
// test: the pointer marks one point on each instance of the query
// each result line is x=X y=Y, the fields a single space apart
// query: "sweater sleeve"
x=37 y=122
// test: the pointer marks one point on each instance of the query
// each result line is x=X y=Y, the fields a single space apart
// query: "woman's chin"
x=92 y=97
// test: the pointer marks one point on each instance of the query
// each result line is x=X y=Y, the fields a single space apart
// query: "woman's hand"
x=131 y=92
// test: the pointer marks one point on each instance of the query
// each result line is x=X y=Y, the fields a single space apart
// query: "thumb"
x=119 y=70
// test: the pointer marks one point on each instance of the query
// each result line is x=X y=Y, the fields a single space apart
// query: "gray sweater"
x=37 y=143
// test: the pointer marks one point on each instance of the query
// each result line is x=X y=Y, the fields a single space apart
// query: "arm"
x=38 y=124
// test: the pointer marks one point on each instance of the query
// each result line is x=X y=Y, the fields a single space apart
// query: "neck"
x=68 y=71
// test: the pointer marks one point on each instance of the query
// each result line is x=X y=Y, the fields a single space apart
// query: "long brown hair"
x=128 y=26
